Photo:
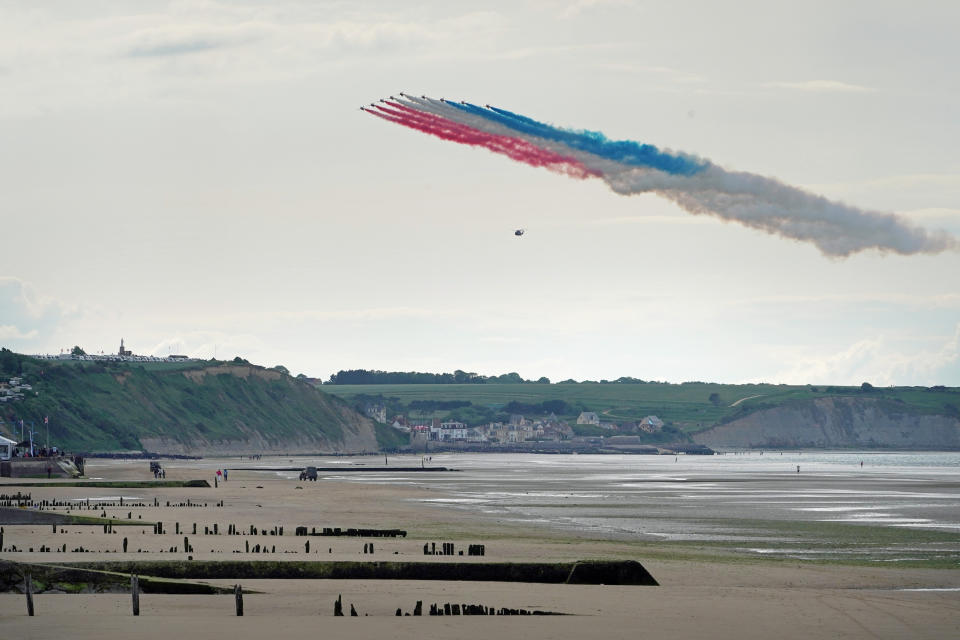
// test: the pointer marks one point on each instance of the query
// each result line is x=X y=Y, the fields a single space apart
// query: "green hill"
x=187 y=408
x=690 y=407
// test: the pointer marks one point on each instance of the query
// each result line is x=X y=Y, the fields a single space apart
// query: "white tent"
x=6 y=448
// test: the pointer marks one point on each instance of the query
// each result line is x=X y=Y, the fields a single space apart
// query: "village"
x=13 y=389
x=518 y=429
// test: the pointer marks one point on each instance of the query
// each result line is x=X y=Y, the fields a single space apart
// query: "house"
x=588 y=417
x=651 y=424
x=449 y=431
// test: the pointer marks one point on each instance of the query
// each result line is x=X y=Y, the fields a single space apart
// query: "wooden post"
x=238 y=595
x=135 y=593
x=28 y=587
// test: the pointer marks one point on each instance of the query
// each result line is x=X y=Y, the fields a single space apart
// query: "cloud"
x=10 y=332
x=678 y=76
x=174 y=47
x=880 y=360
x=28 y=316
x=575 y=8
x=821 y=86
x=209 y=344
x=272 y=35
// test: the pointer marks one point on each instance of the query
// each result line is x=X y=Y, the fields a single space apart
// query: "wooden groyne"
x=613 y=572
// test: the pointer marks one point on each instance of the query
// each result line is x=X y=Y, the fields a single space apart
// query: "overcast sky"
x=196 y=177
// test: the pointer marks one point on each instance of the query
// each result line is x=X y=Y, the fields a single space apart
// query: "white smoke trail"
x=758 y=202
x=836 y=229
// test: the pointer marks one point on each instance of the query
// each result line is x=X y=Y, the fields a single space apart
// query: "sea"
x=884 y=507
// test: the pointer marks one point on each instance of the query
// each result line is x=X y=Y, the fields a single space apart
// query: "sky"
x=197 y=178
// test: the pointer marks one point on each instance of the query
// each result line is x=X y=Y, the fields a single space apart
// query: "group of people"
x=222 y=474
x=38 y=452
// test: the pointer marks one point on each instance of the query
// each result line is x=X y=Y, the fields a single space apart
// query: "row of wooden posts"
x=25 y=501
x=449 y=549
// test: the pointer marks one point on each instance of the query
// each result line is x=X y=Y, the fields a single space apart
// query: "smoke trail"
x=625 y=151
x=515 y=149
x=836 y=229
x=698 y=186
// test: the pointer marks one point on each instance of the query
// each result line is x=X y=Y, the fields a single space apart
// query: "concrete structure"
x=37 y=468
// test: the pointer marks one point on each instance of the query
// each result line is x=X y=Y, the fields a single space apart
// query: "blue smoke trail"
x=625 y=151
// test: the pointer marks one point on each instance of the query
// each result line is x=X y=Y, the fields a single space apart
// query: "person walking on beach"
x=225 y=471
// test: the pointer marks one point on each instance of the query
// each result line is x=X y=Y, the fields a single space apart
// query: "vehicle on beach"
x=310 y=473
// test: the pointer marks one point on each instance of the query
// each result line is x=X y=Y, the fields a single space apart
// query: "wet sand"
x=710 y=595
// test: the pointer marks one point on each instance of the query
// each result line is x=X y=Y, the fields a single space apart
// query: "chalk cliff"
x=836 y=422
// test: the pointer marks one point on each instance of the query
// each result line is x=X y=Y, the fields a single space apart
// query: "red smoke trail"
x=519 y=150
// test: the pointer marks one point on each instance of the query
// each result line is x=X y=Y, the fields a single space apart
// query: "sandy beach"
x=701 y=593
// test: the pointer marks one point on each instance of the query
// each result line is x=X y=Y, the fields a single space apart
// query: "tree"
x=866 y=387
x=282 y=369
x=715 y=399
x=77 y=351
x=543 y=380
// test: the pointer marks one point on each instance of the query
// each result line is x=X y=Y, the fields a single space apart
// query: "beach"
x=710 y=584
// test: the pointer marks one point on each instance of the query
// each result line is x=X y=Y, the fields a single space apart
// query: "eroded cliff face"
x=836 y=422
x=358 y=437
x=360 y=440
